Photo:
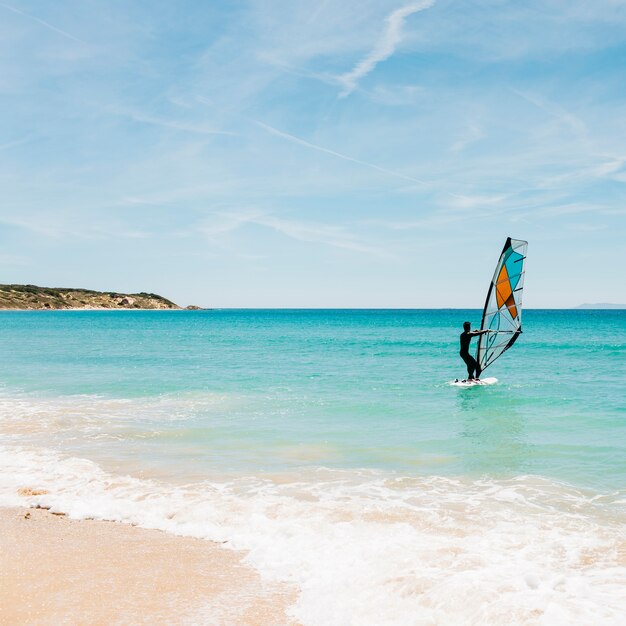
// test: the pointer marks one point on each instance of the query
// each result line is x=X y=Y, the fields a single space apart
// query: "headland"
x=33 y=297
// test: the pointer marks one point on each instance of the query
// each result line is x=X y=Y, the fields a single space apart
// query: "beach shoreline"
x=60 y=570
x=338 y=475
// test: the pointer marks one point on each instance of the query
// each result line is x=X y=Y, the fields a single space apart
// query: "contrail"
x=345 y=157
x=385 y=46
x=307 y=144
x=43 y=22
x=557 y=111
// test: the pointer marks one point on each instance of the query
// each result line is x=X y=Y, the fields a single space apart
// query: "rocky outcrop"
x=33 y=297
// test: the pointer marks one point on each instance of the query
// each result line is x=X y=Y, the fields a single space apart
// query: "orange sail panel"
x=504 y=292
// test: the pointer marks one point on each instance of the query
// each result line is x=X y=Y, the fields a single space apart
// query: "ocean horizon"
x=330 y=446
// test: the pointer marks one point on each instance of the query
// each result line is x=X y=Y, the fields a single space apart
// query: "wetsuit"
x=470 y=361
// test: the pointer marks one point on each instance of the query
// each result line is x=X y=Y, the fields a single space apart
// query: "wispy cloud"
x=474 y=132
x=345 y=157
x=396 y=95
x=221 y=223
x=334 y=236
x=15 y=143
x=384 y=47
x=439 y=220
x=610 y=167
x=13 y=259
x=471 y=202
x=64 y=33
x=72 y=226
x=201 y=129
x=580 y=208
x=558 y=112
x=321 y=6
x=587 y=227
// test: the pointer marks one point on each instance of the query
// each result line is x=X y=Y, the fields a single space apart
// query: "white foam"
x=372 y=549
x=95 y=416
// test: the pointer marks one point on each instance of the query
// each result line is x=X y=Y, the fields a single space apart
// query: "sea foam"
x=373 y=548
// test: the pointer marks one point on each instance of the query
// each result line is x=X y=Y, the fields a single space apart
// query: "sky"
x=331 y=153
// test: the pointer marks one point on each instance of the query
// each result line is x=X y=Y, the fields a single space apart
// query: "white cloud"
x=384 y=47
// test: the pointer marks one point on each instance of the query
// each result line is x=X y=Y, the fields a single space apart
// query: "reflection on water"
x=493 y=432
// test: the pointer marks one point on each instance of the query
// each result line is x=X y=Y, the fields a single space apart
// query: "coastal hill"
x=602 y=305
x=33 y=297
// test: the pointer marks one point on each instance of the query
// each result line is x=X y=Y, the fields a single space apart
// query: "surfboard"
x=473 y=383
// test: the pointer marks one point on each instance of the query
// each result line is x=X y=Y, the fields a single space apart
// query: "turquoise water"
x=330 y=447
x=351 y=388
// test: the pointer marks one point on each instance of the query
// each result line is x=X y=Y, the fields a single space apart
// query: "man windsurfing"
x=470 y=361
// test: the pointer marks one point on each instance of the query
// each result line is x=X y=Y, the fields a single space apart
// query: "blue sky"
x=331 y=153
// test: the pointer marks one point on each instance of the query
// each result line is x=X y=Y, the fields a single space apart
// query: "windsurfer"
x=470 y=361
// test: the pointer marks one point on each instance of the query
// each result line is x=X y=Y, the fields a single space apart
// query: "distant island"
x=602 y=305
x=34 y=297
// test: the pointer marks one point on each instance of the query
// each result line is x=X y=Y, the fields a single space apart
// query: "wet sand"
x=54 y=570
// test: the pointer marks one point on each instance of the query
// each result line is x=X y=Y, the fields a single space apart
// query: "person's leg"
x=471 y=365
x=472 y=368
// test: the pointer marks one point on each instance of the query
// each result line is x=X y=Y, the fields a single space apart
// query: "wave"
x=23 y=413
x=373 y=548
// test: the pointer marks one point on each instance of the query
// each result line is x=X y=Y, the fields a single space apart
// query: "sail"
x=502 y=314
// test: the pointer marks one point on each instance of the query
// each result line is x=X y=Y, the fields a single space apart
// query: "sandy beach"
x=55 y=570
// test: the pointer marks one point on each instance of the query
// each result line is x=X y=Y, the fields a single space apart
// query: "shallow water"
x=330 y=445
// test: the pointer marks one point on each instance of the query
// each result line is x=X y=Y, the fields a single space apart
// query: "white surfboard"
x=473 y=383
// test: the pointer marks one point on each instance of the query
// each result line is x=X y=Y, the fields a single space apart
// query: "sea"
x=330 y=447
